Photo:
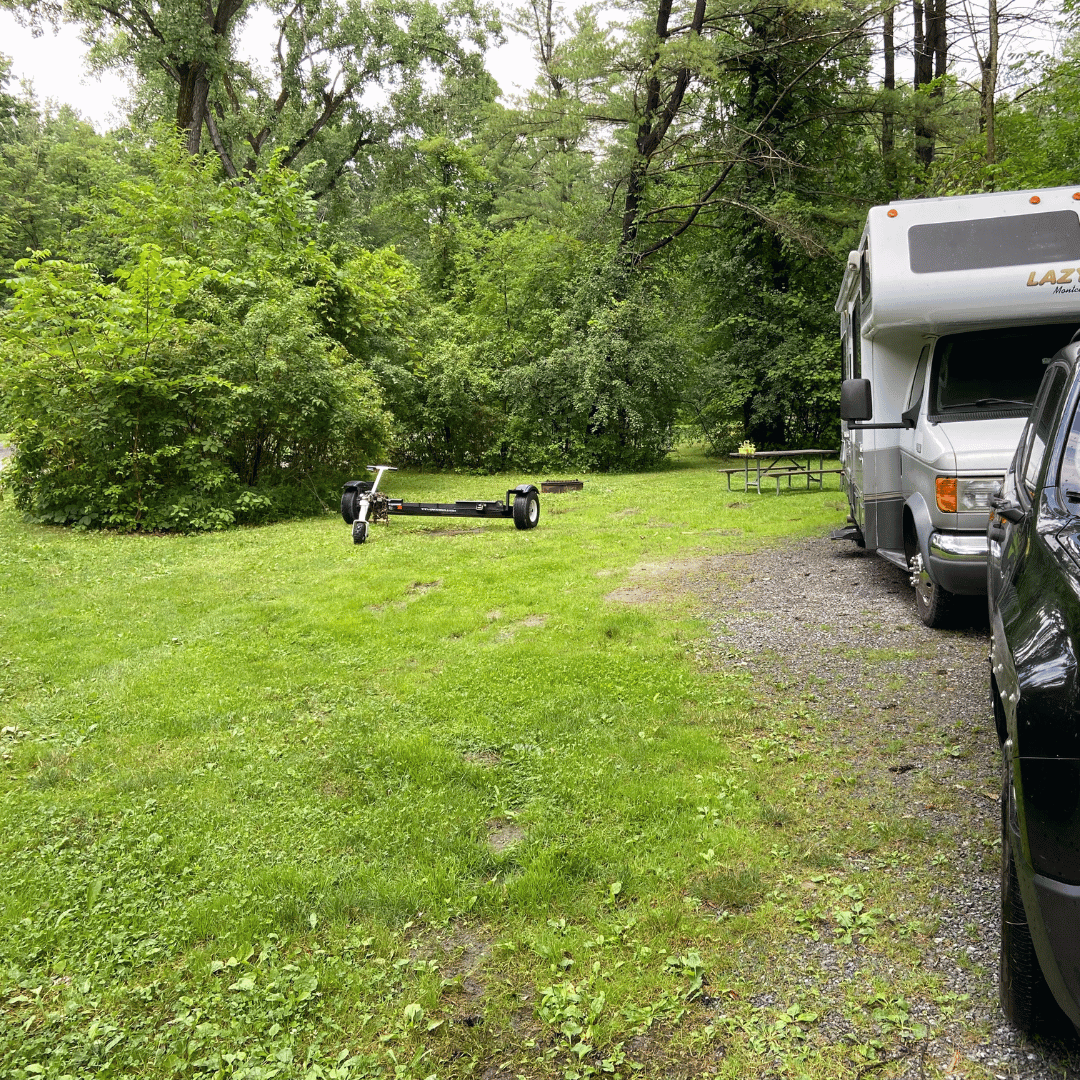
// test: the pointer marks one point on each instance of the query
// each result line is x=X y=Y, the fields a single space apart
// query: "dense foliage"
x=197 y=375
x=211 y=318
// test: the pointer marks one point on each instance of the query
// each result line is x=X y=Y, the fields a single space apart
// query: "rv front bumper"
x=958 y=561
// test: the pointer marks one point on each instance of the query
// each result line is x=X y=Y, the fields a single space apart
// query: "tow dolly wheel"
x=348 y=506
x=359 y=532
x=526 y=510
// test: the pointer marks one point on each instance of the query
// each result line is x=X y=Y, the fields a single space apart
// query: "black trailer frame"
x=363 y=503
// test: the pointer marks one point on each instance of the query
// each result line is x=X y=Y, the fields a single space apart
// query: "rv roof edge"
x=968 y=261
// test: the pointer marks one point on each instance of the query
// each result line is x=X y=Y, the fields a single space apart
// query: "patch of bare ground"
x=911 y=749
x=529 y=622
x=488 y=758
x=649 y=582
x=413 y=592
x=503 y=835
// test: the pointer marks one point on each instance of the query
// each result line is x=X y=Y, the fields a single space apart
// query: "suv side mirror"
x=856 y=401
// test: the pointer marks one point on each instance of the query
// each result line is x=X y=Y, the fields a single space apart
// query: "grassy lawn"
x=456 y=800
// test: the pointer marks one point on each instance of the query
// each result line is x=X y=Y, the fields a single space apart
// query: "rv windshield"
x=992 y=373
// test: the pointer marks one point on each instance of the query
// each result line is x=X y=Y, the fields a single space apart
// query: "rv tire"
x=933 y=603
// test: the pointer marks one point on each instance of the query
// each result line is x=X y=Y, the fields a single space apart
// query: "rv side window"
x=989 y=374
x=1042 y=429
x=856 y=341
x=864 y=274
x=920 y=377
x=990 y=242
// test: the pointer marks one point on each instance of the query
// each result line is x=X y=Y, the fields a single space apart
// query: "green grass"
x=273 y=804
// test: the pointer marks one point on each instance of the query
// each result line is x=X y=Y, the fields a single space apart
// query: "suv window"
x=1043 y=428
x=1069 y=474
x=991 y=373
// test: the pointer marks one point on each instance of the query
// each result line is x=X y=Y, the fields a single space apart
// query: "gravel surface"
x=825 y=624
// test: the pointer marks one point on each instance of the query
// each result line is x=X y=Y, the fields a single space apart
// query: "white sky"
x=54 y=63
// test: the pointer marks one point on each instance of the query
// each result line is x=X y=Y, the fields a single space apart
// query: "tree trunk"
x=656 y=117
x=930 y=47
x=888 y=109
x=989 y=85
x=191 y=103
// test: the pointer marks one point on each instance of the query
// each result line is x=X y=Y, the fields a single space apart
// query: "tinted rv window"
x=991 y=373
x=989 y=242
x=856 y=341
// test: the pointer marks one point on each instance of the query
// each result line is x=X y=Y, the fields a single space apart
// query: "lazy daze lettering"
x=1062 y=277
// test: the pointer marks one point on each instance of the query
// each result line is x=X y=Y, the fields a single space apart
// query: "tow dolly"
x=362 y=503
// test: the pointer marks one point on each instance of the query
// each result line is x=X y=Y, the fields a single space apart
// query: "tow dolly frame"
x=362 y=503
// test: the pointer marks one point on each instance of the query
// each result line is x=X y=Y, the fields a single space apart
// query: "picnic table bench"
x=776 y=464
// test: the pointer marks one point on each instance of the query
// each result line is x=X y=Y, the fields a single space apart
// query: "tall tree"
x=888 y=108
x=330 y=55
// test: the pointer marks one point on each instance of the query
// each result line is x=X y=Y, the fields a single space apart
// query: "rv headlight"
x=977 y=494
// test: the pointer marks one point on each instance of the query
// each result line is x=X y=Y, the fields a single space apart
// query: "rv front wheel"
x=934 y=604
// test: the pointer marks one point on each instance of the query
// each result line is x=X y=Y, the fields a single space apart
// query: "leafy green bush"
x=202 y=377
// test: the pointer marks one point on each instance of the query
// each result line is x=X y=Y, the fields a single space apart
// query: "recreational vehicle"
x=949 y=311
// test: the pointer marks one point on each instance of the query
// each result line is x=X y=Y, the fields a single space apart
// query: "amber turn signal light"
x=946 y=494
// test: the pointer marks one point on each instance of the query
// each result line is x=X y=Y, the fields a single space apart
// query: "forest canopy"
x=265 y=278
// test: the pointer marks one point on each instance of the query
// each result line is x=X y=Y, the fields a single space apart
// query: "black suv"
x=1034 y=590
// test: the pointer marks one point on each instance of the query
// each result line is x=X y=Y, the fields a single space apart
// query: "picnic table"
x=776 y=464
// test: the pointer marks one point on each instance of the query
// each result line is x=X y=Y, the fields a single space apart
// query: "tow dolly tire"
x=526 y=510
x=348 y=506
x=359 y=532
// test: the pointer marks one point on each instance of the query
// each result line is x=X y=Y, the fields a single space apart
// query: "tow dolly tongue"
x=362 y=503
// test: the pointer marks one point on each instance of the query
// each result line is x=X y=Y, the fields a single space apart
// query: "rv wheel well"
x=911 y=536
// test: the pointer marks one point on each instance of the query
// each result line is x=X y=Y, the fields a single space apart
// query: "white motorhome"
x=948 y=311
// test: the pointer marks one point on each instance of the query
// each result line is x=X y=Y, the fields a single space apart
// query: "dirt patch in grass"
x=419 y=588
x=503 y=835
x=489 y=759
x=632 y=594
x=650 y=582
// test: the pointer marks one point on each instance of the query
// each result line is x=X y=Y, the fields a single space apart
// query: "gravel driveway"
x=823 y=622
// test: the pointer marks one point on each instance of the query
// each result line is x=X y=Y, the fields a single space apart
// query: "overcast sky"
x=54 y=64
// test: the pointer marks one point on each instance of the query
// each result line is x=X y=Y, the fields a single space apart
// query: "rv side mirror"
x=856 y=402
